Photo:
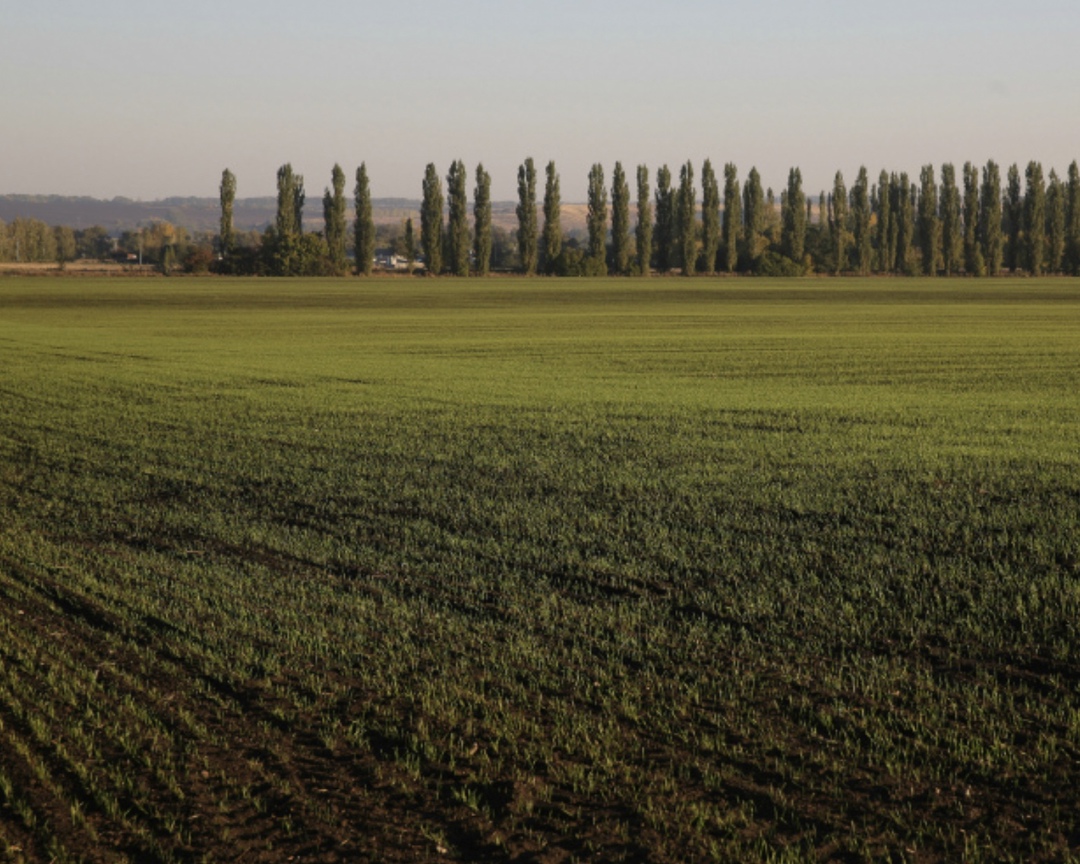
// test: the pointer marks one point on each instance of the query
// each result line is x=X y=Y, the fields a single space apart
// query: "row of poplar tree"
x=970 y=224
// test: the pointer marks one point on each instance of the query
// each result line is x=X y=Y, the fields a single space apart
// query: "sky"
x=153 y=100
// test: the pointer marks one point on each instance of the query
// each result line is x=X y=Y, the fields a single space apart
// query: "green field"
x=643 y=570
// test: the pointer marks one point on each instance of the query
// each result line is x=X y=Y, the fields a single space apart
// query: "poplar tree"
x=458 y=223
x=838 y=223
x=431 y=222
x=710 y=217
x=886 y=254
x=1012 y=219
x=974 y=262
x=410 y=245
x=753 y=217
x=364 y=225
x=298 y=203
x=1055 y=223
x=732 y=221
x=552 y=237
x=991 y=238
x=665 y=221
x=286 y=222
x=1034 y=220
x=596 y=263
x=793 y=218
x=686 y=227
x=482 y=221
x=952 y=236
x=929 y=222
x=228 y=198
x=1072 y=220
x=620 y=221
x=773 y=226
x=904 y=222
x=334 y=220
x=860 y=222
x=644 y=221
x=526 y=214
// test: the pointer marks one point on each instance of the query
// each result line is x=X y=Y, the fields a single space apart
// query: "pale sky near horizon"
x=117 y=98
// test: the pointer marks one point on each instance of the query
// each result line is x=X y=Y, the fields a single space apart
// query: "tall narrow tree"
x=793 y=218
x=686 y=224
x=334 y=220
x=1055 y=223
x=664 y=235
x=286 y=222
x=773 y=225
x=952 y=235
x=458 y=240
x=1034 y=220
x=431 y=221
x=710 y=217
x=410 y=245
x=620 y=222
x=596 y=263
x=753 y=218
x=860 y=222
x=526 y=214
x=886 y=254
x=991 y=239
x=732 y=221
x=904 y=224
x=364 y=225
x=838 y=229
x=482 y=221
x=227 y=235
x=929 y=222
x=644 y=221
x=298 y=203
x=974 y=263
x=1072 y=221
x=552 y=236
x=1012 y=219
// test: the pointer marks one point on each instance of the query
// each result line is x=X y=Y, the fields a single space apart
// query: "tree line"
x=159 y=244
x=941 y=223
x=975 y=222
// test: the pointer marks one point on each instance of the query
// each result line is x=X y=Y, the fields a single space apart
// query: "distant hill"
x=203 y=214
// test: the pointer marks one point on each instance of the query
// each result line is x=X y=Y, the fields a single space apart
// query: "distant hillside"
x=203 y=214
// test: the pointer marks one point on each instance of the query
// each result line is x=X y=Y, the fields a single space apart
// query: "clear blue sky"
x=152 y=100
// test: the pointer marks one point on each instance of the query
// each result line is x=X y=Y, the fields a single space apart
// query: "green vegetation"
x=226 y=233
x=710 y=217
x=685 y=225
x=753 y=212
x=732 y=221
x=553 y=235
x=459 y=242
x=643 y=233
x=596 y=255
x=664 y=229
x=364 y=224
x=896 y=227
x=992 y=238
x=431 y=221
x=952 y=238
x=334 y=222
x=793 y=217
x=481 y=221
x=528 y=249
x=655 y=569
x=930 y=230
x=620 y=222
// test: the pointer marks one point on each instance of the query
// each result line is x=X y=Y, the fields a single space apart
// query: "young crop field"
x=525 y=570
